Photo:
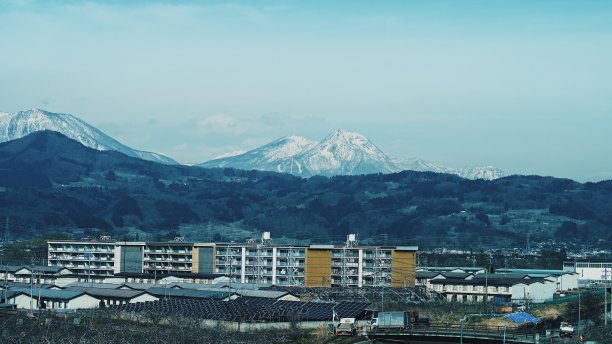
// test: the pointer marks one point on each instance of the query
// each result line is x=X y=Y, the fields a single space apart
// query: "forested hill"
x=51 y=183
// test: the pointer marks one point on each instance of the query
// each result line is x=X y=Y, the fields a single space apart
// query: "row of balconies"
x=160 y=259
x=338 y=263
x=293 y=254
x=68 y=257
x=292 y=264
x=254 y=263
x=230 y=252
x=168 y=267
x=379 y=256
x=470 y=288
x=80 y=249
x=168 y=251
x=76 y=268
x=340 y=255
x=260 y=253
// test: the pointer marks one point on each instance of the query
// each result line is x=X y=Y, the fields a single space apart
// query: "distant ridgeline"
x=49 y=183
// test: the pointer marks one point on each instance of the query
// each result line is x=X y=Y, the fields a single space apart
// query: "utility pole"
x=579 y=314
x=487 y=285
x=32 y=286
x=5 y=284
x=606 y=297
x=38 y=281
x=4 y=242
x=229 y=294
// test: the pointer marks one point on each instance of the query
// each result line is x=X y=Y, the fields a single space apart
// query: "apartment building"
x=260 y=262
x=92 y=257
x=591 y=274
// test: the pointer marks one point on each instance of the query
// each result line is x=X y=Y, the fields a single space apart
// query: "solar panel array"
x=363 y=294
x=248 y=309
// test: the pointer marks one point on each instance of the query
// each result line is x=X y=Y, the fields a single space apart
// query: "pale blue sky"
x=522 y=85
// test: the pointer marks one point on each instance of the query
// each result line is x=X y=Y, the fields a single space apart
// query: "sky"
x=525 y=86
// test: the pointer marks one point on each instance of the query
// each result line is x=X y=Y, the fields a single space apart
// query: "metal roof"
x=94 y=285
x=455 y=275
x=169 y=274
x=490 y=282
x=109 y=293
x=448 y=268
x=12 y=268
x=189 y=293
x=49 y=293
x=13 y=285
x=259 y=293
x=537 y=272
x=426 y=274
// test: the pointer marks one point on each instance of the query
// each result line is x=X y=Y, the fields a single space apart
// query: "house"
x=36 y=273
x=565 y=280
x=25 y=298
x=108 y=296
x=8 y=272
x=502 y=288
x=424 y=278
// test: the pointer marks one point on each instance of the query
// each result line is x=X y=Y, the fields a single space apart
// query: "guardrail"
x=469 y=331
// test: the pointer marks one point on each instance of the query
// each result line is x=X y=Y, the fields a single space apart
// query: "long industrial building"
x=260 y=262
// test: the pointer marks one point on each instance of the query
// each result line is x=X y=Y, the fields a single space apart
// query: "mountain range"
x=340 y=153
x=50 y=183
x=17 y=125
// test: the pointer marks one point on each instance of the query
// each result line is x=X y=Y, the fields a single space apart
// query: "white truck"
x=346 y=327
x=566 y=330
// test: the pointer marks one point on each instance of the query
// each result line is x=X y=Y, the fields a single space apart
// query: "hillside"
x=51 y=183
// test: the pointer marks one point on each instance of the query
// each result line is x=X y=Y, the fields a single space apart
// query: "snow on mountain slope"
x=230 y=154
x=264 y=157
x=22 y=123
x=482 y=172
x=340 y=153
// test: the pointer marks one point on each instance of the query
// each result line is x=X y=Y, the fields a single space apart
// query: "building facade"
x=591 y=274
x=260 y=262
x=84 y=257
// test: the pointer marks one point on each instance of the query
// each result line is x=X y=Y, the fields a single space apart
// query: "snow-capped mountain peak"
x=264 y=157
x=340 y=153
x=22 y=123
x=286 y=147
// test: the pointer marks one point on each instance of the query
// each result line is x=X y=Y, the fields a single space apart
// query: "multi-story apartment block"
x=84 y=257
x=360 y=266
x=260 y=262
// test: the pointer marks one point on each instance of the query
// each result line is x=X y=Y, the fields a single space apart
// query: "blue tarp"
x=522 y=317
x=519 y=317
